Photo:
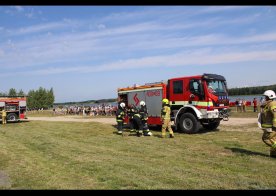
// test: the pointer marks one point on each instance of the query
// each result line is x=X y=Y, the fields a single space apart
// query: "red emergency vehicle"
x=195 y=100
x=15 y=106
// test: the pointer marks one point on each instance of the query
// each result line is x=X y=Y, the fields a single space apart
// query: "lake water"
x=246 y=97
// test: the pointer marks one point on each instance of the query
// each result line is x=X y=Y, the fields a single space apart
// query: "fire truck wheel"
x=211 y=126
x=188 y=123
x=12 y=117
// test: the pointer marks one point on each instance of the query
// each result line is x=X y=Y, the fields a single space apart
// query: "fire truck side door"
x=196 y=90
x=176 y=90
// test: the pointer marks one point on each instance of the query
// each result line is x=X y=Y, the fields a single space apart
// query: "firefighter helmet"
x=270 y=94
x=142 y=103
x=166 y=101
x=122 y=105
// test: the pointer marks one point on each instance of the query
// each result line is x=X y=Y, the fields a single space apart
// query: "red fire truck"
x=15 y=106
x=195 y=101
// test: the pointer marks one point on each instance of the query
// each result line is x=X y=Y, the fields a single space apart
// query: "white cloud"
x=101 y=26
x=19 y=8
x=186 y=58
x=50 y=49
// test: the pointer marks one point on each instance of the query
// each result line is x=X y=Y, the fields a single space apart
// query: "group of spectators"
x=97 y=110
x=242 y=103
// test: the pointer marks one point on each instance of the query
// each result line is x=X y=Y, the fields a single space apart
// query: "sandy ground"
x=74 y=119
x=231 y=121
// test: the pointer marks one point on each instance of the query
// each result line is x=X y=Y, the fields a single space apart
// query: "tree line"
x=36 y=99
x=251 y=90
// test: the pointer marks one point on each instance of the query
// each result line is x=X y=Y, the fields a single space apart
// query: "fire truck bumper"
x=210 y=114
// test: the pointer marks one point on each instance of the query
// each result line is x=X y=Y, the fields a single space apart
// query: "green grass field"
x=69 y=155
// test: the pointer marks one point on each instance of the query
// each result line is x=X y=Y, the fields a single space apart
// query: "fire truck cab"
x=15 y=106
x=194 y=100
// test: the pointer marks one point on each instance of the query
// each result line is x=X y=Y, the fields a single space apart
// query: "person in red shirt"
x=255 y=105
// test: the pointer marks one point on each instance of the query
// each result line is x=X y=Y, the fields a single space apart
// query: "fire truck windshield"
x=216 y=87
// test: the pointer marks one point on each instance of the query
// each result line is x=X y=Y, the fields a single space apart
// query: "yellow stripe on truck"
x=199 y=103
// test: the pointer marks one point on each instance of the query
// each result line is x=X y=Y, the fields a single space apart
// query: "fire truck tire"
x=211 y=126
x=12 y=117
x=188 y=123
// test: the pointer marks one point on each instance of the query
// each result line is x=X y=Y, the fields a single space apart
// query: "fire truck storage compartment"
x=152 y=98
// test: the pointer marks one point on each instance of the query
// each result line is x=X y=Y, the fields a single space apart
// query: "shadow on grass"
x=247 y=152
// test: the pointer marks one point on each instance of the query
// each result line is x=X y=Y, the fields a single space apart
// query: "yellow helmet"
x=166 y=101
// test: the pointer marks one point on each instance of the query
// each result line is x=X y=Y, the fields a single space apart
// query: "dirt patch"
x=4 y=180
x=231 y=121
x=74 y=119
x=239 y=121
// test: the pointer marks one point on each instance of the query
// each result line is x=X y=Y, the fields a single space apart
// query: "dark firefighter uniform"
x=166 y=118
x=130 y=112
x=144 y=118
x=137 y=120
x=120 y=115
x=268 y=123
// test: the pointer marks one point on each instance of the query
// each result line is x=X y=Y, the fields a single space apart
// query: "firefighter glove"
x=274 y=145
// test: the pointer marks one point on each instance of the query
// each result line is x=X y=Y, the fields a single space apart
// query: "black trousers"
x=138 y=121
x=120 y=125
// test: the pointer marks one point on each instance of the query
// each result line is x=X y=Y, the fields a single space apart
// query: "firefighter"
x=268 y=121
x=166 y=118
x=1 y=114
x=138 y=122
x=4 y=116
x=120 y=115
x=144 y=118
x=131 y=110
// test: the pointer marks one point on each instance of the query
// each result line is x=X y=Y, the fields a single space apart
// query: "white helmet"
x=270 y=94
x=122 y=104
x=142 y=103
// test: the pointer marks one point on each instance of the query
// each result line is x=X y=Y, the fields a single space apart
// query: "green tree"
x=12 y=92
x=21 y=93
x=40 y=98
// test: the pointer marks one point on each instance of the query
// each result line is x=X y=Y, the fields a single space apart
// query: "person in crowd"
x=244 y=105
x=255 y=109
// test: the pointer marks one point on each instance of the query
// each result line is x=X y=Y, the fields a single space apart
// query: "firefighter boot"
x=273 y=151
x=131 y=131
x=120 y=132
x=147 y=133
x=171 y=135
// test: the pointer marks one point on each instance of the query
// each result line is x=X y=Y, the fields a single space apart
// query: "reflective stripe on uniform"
x=267 y=125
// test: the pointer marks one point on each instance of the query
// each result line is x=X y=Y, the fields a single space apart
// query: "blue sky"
x=87 y=52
